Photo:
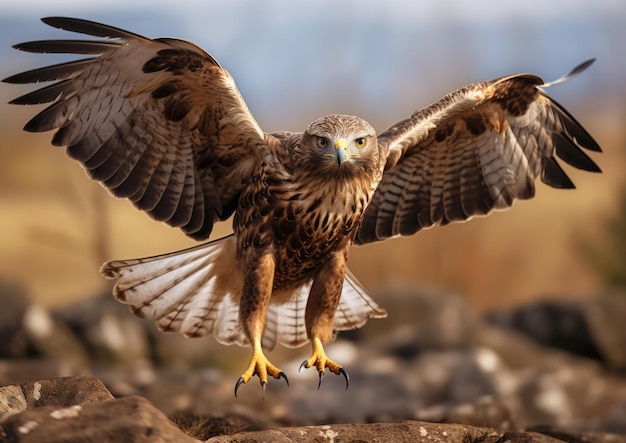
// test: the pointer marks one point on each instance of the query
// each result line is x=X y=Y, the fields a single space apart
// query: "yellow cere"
x=341 y=143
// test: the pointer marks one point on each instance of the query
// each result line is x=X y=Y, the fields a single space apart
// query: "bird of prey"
x=161 y=123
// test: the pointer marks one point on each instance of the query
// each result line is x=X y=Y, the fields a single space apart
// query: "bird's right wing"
x=476 y=150
x=156 y=121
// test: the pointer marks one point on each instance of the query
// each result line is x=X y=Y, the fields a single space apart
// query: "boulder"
x=592 y=328
x=62 y=391
x=125 y=420
x=110 y=334
x=413 y=431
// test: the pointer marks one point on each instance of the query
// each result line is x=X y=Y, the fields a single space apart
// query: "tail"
x=285 y=322
x=196 y=292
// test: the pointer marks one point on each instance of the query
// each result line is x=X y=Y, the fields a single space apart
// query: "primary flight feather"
x=160 y=122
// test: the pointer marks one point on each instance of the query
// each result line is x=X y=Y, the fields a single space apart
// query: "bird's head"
x=342 y=143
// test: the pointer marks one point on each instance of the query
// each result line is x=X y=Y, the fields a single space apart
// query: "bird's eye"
x=322 y=142
x=360 y=142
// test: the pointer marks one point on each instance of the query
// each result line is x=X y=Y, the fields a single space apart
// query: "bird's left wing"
x=475 y=150
x=156 y=121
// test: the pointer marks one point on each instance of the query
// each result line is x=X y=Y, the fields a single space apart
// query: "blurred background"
x=458 y=296
x=381 y=60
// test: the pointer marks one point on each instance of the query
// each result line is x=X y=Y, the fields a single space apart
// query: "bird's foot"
x=261 y=366
x=320 y=360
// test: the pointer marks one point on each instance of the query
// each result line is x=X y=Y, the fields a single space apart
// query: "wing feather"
x=476 y=150
x=159 y=122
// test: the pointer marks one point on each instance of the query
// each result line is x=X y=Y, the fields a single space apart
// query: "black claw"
x=319 y=383
x=304 y=365
x=281 y=374
x=343 y=372
x=239 y=383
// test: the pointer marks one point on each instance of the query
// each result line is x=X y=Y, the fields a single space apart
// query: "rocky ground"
x=433 y=371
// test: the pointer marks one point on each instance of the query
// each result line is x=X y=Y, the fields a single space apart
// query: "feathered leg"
x=320 y=313
x=257 y=291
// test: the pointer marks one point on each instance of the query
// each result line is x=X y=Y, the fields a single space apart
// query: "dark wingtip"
x=580 y=68
x=58 y=22
x=553 y=175
x=89 y=27
x=573 y=73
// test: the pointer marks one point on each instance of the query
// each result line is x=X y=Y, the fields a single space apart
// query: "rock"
x=51 y=338
x=129 y=419
x=109 y=332
x=175 y=351
x=613 y=421
x=592 y=328
x=605 y=316
x=558 y=324
x=386 y=396
x=578 y=437
x=472 y=373
x=28 y=330
x=14 y=301
x=486 y=411
x=426 y=318
x=12 y=399
x=412 y=431
x=454 y=376
x=64 y=391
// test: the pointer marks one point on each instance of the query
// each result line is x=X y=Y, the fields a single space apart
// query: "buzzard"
x=161 y=123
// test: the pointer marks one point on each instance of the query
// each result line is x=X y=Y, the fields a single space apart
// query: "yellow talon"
x=320 y=360
x=261 y=366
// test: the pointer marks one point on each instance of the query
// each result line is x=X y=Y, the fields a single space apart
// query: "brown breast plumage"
x=300 y=224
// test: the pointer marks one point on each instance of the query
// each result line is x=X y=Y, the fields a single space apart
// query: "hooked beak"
x=341 y=151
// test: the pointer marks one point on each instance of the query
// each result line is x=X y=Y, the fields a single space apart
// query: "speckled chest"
x=302 y=226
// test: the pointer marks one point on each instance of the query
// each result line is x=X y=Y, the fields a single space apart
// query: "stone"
x=613 y=421
x=579 y=437
x=109 y=332
x=63 y=391
x=15 y=302
x=558 y=324
x=52 y=339
x=423 y=318
x=592 y=328
x=605 y=315
x=12 y=399
x=125 y=420
x=412 y=431
x=487 y=411
x=27 y=330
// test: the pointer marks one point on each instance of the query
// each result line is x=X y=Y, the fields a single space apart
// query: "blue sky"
x=296 y=60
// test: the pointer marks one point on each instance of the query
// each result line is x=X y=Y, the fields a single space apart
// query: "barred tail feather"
x=193 y=291
x=285 y=322
x=196 y=292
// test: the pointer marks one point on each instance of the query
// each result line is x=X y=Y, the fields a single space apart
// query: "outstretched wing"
x=475 y=150
x=156 y=121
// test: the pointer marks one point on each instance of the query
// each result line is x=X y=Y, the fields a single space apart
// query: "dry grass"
x=203 y=428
